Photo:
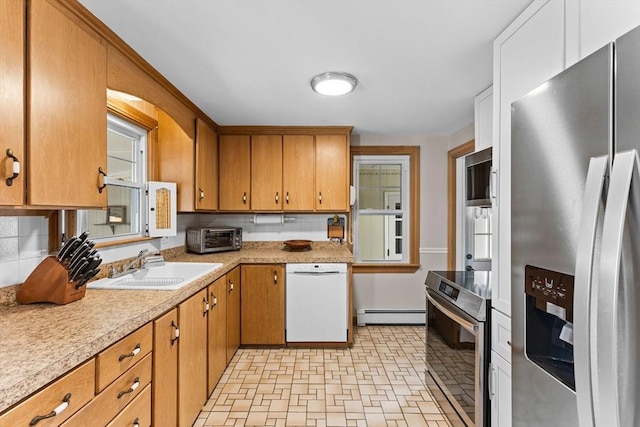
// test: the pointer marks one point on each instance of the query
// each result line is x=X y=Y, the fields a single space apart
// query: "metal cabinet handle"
x=16 y=167
x=277 y=197
x=136 y=423
x=244 y=197
x=214 y=299
x=135 y=351
x=136 y=383
x=320 y=197
x=205 y=301
x=176 y=333
x=230 y=286
x=101 y=176
x=201 y=193
x=287 y=197
x=57 y=410
x=275 y=277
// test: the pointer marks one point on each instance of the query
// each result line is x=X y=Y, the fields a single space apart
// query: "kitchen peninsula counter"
x=42 y=342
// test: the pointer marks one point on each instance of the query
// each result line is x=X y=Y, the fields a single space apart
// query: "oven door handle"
x=468 y=324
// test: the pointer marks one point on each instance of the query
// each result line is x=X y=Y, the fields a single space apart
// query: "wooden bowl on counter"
x=298 y=245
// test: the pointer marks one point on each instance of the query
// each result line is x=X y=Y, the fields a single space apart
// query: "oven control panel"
x=448 y=290
x=552 y=291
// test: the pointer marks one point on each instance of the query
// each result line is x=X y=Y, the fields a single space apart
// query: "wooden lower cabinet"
x=192 y=357
x=217 y=332
x=113 y=399
x=165 y=370
x=233 y=312
x=263 y=295
x=78 y=386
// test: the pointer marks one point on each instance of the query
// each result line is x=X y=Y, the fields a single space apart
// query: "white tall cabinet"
x=549 y=36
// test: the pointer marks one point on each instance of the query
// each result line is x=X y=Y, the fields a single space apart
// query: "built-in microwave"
x=478 y=173
x=214 y=239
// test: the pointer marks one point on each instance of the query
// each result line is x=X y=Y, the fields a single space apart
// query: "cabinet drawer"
x=78 y=386
x=115 y=360
x=501 y=334
x=113 y=399
x=138 y=412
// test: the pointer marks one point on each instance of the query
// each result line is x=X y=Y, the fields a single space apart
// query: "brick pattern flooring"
x=377 y=382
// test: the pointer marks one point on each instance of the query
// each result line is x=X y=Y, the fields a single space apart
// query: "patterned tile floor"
x=377 y=382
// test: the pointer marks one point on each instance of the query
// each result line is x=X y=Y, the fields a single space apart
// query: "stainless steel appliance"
x=458 y=341
x=575 y=244
x=214 y=239
x=478 y=178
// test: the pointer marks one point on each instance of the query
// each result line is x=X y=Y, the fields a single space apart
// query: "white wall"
x=23 y=244
x=406 y=291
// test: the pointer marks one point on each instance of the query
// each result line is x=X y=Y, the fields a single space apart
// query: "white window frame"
x=404 y=211
x=133 y=131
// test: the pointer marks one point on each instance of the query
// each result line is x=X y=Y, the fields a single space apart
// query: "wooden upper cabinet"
x=175 y=156
x=12 y=37
x=67 y=111
x=266 y=172
x=235 y=172
x=332 y=173
x=298 y=161
x=206 y=167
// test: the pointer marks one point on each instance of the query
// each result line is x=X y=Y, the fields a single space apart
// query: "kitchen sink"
x=167 y=277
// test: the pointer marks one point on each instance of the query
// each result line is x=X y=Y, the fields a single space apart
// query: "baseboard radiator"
x=390 y=317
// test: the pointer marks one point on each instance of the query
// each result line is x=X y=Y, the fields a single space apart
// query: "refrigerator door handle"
x=604 y=340
x=591 y=211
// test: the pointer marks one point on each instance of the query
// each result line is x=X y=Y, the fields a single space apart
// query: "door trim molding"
x=453 y=155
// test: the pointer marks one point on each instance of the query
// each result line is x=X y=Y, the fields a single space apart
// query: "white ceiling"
x=419 y=62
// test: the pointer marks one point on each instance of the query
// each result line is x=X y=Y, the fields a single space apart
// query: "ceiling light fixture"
x=334 y=83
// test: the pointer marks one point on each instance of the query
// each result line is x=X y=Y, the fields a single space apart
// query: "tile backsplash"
x=23 y=245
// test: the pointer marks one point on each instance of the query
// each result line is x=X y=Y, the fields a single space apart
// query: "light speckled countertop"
x=41 y=342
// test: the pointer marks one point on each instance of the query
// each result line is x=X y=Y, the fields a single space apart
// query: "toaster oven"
x=214 y=239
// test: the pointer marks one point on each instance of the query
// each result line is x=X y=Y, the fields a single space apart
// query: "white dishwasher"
x=316 y=302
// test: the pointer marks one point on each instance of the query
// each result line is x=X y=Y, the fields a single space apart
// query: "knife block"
x=49 y=282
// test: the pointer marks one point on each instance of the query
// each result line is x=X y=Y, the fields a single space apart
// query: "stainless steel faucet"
x=130 y=267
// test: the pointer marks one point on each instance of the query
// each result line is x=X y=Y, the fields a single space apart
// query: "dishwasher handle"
x=317 y=273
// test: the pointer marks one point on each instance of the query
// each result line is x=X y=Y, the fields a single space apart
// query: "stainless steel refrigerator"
x=575 y=244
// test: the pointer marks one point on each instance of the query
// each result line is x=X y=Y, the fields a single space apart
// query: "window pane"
x=123 y=202
x=121 y=156
x=380 y=237
x=376 y=182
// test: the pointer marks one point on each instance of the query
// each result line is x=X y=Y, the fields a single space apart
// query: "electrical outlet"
x=164 y=240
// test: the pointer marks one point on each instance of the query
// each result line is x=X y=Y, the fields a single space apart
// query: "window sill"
x=385 y=268
x=123 y=242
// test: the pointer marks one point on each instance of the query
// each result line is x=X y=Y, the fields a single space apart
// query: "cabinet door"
x=67 y=110
x=206 y=167
x=12 y=27
x=262 y=304
x=233 y=312
x=192 y=357
x=500 y=391
x=165 y=370
x=175 y=155
x=483 y=119
x=526 y=54
x=217 y=351
x=266 y=172
x=298 y=166
x=235 y=172
x=332 y=173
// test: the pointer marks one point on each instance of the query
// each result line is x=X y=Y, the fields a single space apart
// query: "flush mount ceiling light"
x=334 y=83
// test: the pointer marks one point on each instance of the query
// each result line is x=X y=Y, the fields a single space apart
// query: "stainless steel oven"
x=458 y=341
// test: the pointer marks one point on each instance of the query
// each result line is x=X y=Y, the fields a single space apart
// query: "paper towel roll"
x=268 y=219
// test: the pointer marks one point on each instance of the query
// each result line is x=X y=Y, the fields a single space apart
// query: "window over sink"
x=125 y=216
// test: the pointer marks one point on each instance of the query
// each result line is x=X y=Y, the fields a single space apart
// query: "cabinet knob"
x=135 y=385
x=277 y=197
x=275 y=277
x=214 y=299
x=287 y=197
x=15 y=168
x=201 y=193
x=135 y=351
x=320 y=197
x=244 y=197
x=205 y=303
x=176 y=332
x=230 y=286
